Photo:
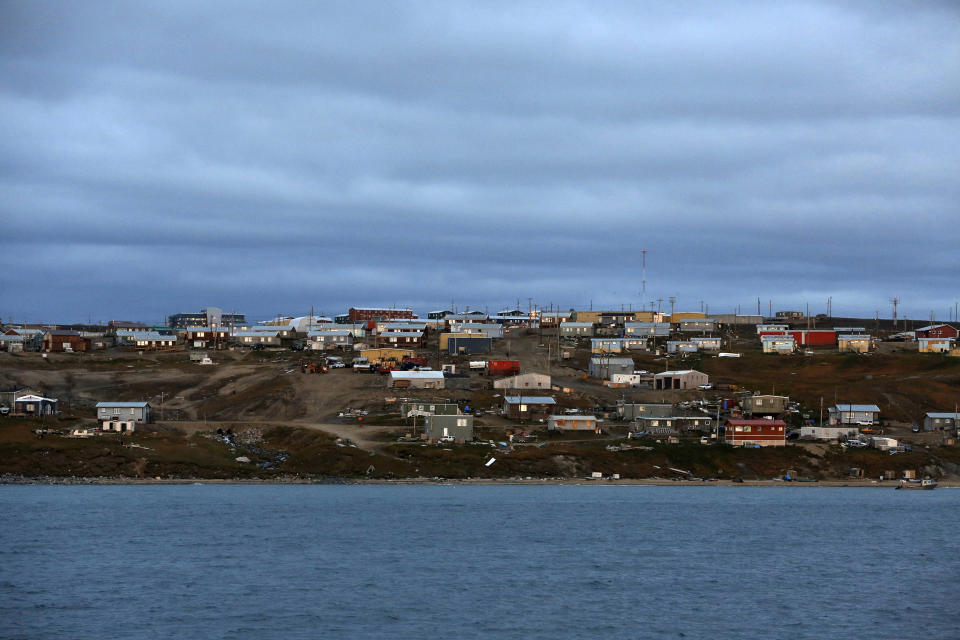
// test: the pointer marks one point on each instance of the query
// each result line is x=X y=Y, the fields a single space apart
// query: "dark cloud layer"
x=161 y=157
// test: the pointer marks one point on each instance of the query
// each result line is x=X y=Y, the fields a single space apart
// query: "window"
x=746 y=429
x=461 y=422
x=738 y=429
x=523 y=407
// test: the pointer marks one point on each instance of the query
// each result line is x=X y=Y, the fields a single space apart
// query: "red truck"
x=503 y=367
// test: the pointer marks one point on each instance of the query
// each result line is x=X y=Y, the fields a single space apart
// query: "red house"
x=366 y=315
x=814 y=337
x=766 y=433
x=935 y=331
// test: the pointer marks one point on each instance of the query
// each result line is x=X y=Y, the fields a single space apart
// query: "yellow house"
x=377 y=356
x=687 y=315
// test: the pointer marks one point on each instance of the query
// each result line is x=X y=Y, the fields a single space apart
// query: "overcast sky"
x=268 y=157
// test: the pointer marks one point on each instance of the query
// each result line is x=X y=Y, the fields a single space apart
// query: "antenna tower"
x=896 y=301
x=643 y=290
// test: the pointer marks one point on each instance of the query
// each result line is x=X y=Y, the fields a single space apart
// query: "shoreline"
x=651 y=482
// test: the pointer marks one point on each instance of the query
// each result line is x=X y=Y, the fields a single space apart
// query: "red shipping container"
x=503 y=367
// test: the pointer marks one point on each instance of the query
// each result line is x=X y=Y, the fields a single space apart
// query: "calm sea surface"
x=548 y=562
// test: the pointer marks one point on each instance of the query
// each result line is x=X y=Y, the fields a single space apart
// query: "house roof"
x=680 y=372
x=941 y=414
x=574 y=417
x=416 y=375
x=401 y=334
x=933 y=326
x=122 y=405
x=757 y=423
x=628 y=361
x=529 y=400
x=853 y=336
x=33 y=399
x=856 y=407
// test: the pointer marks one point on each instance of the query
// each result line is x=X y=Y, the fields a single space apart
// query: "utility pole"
x=896 y=301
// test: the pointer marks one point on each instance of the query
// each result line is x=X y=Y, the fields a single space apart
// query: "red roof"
x=757 y=423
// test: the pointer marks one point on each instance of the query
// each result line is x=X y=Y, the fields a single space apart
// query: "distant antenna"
x=895 y=300
x=643 y=290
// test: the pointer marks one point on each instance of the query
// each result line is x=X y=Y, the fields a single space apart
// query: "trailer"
x=503 y=367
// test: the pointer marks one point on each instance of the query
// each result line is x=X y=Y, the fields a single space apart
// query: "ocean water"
x=550 y=562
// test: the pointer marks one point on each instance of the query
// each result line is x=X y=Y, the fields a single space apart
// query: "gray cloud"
x=163 y=156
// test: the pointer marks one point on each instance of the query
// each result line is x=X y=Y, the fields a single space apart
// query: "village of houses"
x=584 y=373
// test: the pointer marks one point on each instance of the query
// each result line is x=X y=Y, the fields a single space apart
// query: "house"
x=853 y=343
x=478 y=328
x=935 y=345
x=401 y=326
x=778 y=343
x=858 y=414
x=416 y=380
x=31 y=405
x=554 y=318
x=604 y=367
x=322 y=340
x=528 y=407
x=650 y=329
x=606 y=345
x=697 y=325
x=412 y=339
x=12 y=343
x=251 y=338
x=7 y=396
x=441 y=426
x=136 y=411
x=380 y=356
x=764 y=405
x=23 y=339
x=576 y=329
x=644 y=410
x=523 y=381
x=205 y=337
x=672 y=424
x=572 y=423
x=367 y=314
x=936 y=331
x=771 y=328
x=940 y=421
x=683 y=379
x=681 y=346
x=65 y=342
x=829 y=433
x=152 y=341
x=707 y=343
x=764 y=433
x=414 y=408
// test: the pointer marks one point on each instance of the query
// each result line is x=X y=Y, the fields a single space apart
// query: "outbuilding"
x=683 y=379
